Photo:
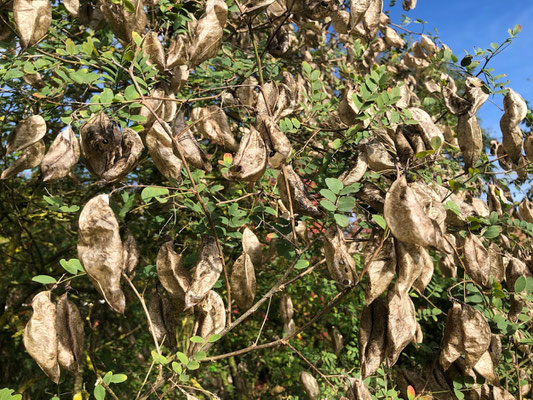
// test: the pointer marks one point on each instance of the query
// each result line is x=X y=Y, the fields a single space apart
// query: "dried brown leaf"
x=242 y=282
x=298 y=193
x=62 y=155
x=70 y=335
x=30 y=158
x=341 y=265
x=26 y=133
x=206 y=35
x=32 y=18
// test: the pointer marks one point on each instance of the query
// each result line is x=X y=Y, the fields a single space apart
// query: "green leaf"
x=44 y=279
x=301 y=264
x=306 y=67
x=493 y=232
x=178 y=369
x=99 y=392
x=493 y=218
x=334 y=185
x=107 y=378
x=197 y=339
x=341 y=220
x=128 y=5
x=118 y=378
x=72 y=266
x=453 y=207
x=159 y=358
x=193 y=364
x=436 y=142
x=520 y=284
x=200 y=355
x=131 y=93
x=328 y=205
x=346 y=204
x=106 y=96
x=70 y=47
x=328 y=194
x=182 y=358
x=214 y=338
x=353 y=188
x=137 y=38
x=152 y=191
x=378 y=219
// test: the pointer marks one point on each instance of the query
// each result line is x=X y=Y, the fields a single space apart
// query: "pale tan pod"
x=372 y=18
x=426 y=273
x=475 y=93
x=206 y=34
x=528 y=148
x=340 y=20
x=286 y=308
x=31 y=157
x=161 y=151
x=477 y=260
x=171 y=273
x=347 y=109
x=298 y=193
x=289 y=328
x=409 y=4
x=211 y=318
x=380 y=267
x=427 y=127
x=401 y=324
x=411 y=262
x=419 y=335
x=341 y=265
x=337 y=340
x=72 y=6
x=131 y=252
x=278 y=145
x=177 y=52
x=249 y=164
x=485 y=368
x=451 y=348
x=358 y=9
x=515 y=111
x=356 y=173
x=100 y=249
x=122 y=22
x=497 y=266
x=153 y=48
x=377 y=156
x=242 y=282
x=206 y=273
x=32 y=18
x=252 y=246
x=372 y=336
x=70 y=335
x=155 y=103
x=192 y=152
x=162 y=316
x=476 y=334
x=310 y=385
x=179 y=74
x=493 y=199
x=62 y=155
x=358 y=390
x=27 y=132
x=40 y=335
x=500 y=393
x=525 y=209
x=131 y=149
x=246 y=93
x=215 y=126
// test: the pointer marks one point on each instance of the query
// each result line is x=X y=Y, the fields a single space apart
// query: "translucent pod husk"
x=456 y=104
x=404 y=150
x=358 y=390
x=62 y=155
x=301 y=203
x=337 y=340
x=30 y=158
x=163 y=319
x=515 y=111
x=341 y=265
x=280 y=45
x=188 y=145
x=372 y=336
x=206 y=272
x=310 y=385
x=286 y=308
x=340 y=21
x=372 y=18
x=123 y=22
x=100 y=250
x=33 y=19
x=358 y=8
x=392 y=38
x=428 y=129
x=70 y=335
x=249 y=164
x=246 y=93
x=401 y=324
x=485 y=368
x=27 y=132
x=371 y=195
x=177 y=52
x=252 y=246
x=242 y=282
x=476 y=93
x=206 y=33
x=413 y=261
x=380 y=267
x=409 y=4
x=163 y=109
x=276 y=100
x=525 y=210
x=347 y=110
x=211 y=318
x=130 y=253
x=278 y=145
x=161 y=151
x=153 y=48
x=40 y=335
x=528 y=148
x=356 y=173
x=214 y=126
x=377 y=156
x=497 y=266
x=131 y=149
x=171 y=273
x=72 y=6
x=477 y=260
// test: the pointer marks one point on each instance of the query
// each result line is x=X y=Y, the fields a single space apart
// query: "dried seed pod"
x=380 y=268
x=289 y=328
x=286 y=308
x=30 y=158
x=172 y=274
x=392 y=38
x=215 y=126
x=162 y=316
x=347 y=109
x=497 y=267
x=341 y=265
x=494 y=199
x=357 y=172
x=409 y=4
x=476 y=260
x=515 y=111
x=358 y=8
x=528 y=148
x=276 y=100
x=401 y=324
x=123 y=22
x=70 y=336
x=372 y=18
x=298 y=193
x=33 y=18
x=188 y=145
x=469 y=138
x=340 y=21
x=371 y=195
x=131 y=253
x=428 y=130
x=485 y=368
x=252 y=246
x=310 y=385
x=414 y=263
x=179 y=76
x=246 y=92
x=426 y=272
x=206 y=273
x=72 y=6
x=525 y=210
x=279 y=146
x=40 y=335
x=372 y=336
x=280 y=44
x=153 y=48
x=177 y=52
x=377 y=156
x=255 y=7
x=249 y=164
x=26 y=133
x=100 y=249
x=206 y=34
x=242 y=281
x=161 y=150
x=131 y=148
x=337 y=340
x=476 y=93
x=358 y=390
x=62 y=155
x=419 y=335
x=211 y=318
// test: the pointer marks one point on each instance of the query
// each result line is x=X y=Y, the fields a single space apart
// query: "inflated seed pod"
x=162 y=316
x=62 y=155
x=122 y=21
x=171 y=273
x=337 y=340
x=413 y=260
x=211 y=318
x=188 y=145
x=341 y=265
x=477 y=260
x=286 y=308
x=30 y=158
x=380 y=267
x=70 y=335
x=278 y=145
x=249 y=164
x=310 y=385
x=161 y=150
x=131 y=252
x=372 y=336
x=356 y=173
x=515 y=111
x=27 y=132
x=131 y=147
x=214 y=126
x=252 y=246
x=72 y=6
x=358 y=390
x=401 y=324
x=298 y=193
x=32 y=18
x=242 y=282
x=153 y=48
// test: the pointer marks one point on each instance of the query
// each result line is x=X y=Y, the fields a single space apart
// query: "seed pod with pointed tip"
x=380 y=268
x=372 y=336
x=131 y=253
x=497 y=267
x=62 y=155
x=428 y=129
x=131 y=148
x=162 y=316
x=40 y=335
x=477 y=262
x=412 y=260
x=171 y=272
x=249 y=164
x=206 y=273
x=123 y=22
x=177 y=52
x=72 y=6
x=298 y=193
x=528 y=148
x=70 y=336
x=525 y=209
x=242 y=281
x=310 y=385
x=286 y=308
x=357 y=172
x=30 y=158
x=515 y=111
x=401 y=324
x=100 y=249
x=207 y=33
x=392 y=38
x=469 y=138
x=358 y=390
x=279 y=147
x=426 y=272
x=214 y=126
x=252 y=246
x=211 y=318
x=289 y=327
x=192 y=152
x=485 y=368
x=33 y=18
x=409 y=4
x=161 y=150
x=26 y=133
x=377 y=156
x=337 y=340
x=341 y=265
x=153 y=48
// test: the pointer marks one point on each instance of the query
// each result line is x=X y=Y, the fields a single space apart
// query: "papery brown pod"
x=485 y=368
x=476 y=93
x=525 y=209
x=242 y=281
x=100 y=249
x=310 y=385
x=33 y=18
x=356 y=173
x=286 y=308
x=278 y=145
x=206 y=273
x=289 y=328
x=500 y=393
x=372 y=336
x=188 y=145
x=211 y=318
x=392 y=38
x=153 y=48
x=206 y=34
x=27 y=132
x=380 y=267
x=276 y=100
x=341 y=265
x=452 y=347
x=419 y=335
x=72 y=6
x=409 y=4
x=426 y=273
x=172 y=274
x=476 y=260
x=163 y=321
x=35 y=80
x=161 y=150
x=131 y=148
x=246 y=92
x=252 y=246
x=337 y=340
x=340 y=21
x=454 y=103
x=30 y=158
x=131 y=253
x=154 y=103
x=179 y=76
x=249 y=164
x=298 y=193
x=358 y=9
x=40 y=335
x=347 y=109
x=215 y=126
x=177 y=52
x=372 y=18
x=62 y=155
x=428 y=130
x=413 y=260
x=372 y=195
x=123 y=22
x=515 y=111
x=280 y=44
x=448 y=266
x=528 y=148
x=253 y=8
x=497 y=267
x=401 y=324
x=358 y=390
x=470 y=138
x=377 y=156
x=494 y=200
x=70 y=335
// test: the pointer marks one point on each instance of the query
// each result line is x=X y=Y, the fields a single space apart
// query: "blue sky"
x=464 y=24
